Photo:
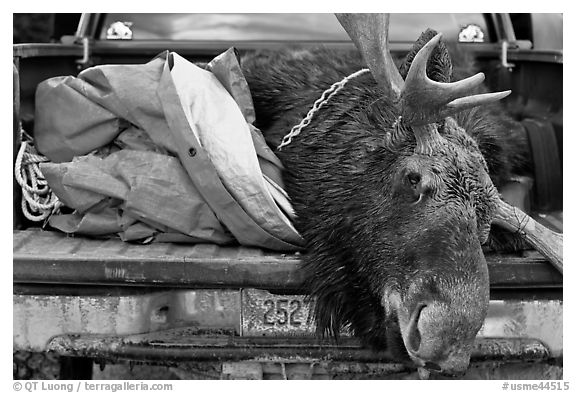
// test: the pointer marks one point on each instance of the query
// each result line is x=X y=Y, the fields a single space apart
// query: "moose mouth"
x=426 y=344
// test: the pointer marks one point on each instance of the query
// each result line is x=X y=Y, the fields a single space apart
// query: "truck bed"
x=45 y=257
x=111 y=300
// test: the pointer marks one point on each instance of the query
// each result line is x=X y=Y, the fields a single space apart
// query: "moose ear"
x=439 y=67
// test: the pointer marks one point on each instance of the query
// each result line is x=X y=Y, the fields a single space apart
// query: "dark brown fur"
x=346 y=174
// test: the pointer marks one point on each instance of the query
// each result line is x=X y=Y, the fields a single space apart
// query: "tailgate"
x=168 y=302
x=54 y=258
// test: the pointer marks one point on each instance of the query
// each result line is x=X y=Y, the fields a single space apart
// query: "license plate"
x=267 y=314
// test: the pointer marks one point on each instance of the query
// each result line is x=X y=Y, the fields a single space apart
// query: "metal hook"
x=504 y=56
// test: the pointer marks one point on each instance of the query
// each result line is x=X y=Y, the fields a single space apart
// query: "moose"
x=392 y=189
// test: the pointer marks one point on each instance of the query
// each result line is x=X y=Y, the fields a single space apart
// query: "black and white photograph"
x=287 y=196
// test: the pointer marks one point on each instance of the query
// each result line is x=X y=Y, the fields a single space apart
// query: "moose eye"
x=413 y=178
x=412 y=186
x=413 y=182
x=417 y=186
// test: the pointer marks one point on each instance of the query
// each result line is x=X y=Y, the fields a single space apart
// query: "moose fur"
x=347 y=176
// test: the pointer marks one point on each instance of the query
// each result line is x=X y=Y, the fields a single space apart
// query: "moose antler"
x=424 y=101
x=369 y=32
x=420 y=100
x=546 y=241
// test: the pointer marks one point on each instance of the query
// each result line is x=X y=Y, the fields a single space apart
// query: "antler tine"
x=369 y=32
x=424 y=101
x=475 y=100
x=548 y=242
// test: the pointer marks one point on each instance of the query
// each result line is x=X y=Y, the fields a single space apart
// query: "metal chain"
x=324 y=98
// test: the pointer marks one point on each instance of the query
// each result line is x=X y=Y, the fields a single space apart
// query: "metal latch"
x=504 y=56
x=85 y=53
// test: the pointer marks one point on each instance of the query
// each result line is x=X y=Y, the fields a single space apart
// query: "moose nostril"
x=414 y=337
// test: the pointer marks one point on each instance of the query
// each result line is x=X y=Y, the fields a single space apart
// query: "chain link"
x=324 y=98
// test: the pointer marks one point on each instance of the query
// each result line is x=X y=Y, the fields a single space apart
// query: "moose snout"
x=434 y=347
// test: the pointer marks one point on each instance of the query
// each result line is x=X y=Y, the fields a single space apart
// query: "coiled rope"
x=38 y=201
x=324 y=98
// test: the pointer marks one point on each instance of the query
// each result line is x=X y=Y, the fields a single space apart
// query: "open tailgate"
x=107 y=299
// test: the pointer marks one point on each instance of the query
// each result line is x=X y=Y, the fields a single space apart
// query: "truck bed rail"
x=43 y=257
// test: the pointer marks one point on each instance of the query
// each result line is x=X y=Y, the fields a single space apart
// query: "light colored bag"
x=162 y=151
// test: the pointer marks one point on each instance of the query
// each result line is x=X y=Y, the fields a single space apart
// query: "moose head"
x=395 y=201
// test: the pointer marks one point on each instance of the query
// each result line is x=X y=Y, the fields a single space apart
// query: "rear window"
x=276 y=27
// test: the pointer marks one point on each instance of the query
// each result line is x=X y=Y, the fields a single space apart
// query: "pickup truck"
x=212 y=312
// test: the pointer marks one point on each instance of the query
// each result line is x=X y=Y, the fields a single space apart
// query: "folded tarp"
x=162 y=151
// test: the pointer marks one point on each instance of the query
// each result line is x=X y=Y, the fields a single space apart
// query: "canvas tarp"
x=162 y=151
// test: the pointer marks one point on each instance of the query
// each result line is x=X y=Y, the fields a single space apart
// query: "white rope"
x=38 y=201
x=332 y=90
